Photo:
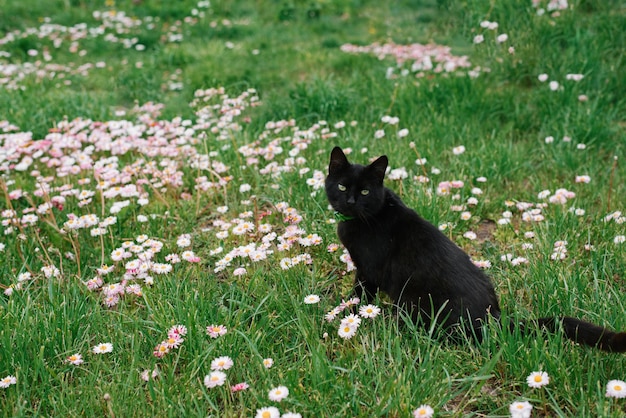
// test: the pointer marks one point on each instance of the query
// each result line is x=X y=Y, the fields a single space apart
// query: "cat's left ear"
x=379 y=167
x=338 y=160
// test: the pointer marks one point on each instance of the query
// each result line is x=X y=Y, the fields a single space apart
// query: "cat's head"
x=355 y=190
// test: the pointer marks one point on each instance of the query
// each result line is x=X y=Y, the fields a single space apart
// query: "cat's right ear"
x=338 y=161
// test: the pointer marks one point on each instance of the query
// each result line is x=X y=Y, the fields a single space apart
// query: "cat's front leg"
x=364 y=289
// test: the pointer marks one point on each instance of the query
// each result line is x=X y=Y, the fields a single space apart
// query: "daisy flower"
x=215 y=331
x=616 y=389
x=102 y=348
x=240 y=271
x=161 y=268
x=520 y=409
x=369 y=311
x=95 y=283
x=117 y=255
x=132 y=265
x=239 y=387
x=346 y=331
x=9 y=290
x=75 y=359
x=268 y=412
x=351 y=320
x=350 y=302
x=458 y=150
x=291 y=415
x=111 y=300
x=279 y=393
x=113 y=289
x=179 y=330
x=161 y=350
x=190 y=256
x=285 y=263
x=8 y=381
x=538 y=379
x=424 y=411
x=471 y=235
x=134 y=289
x=147 y=374
x=184 y=241
x=483 y=264
x=332 y=314
x=311 y=299
x=173 y=341
x=222 y=363
x=268 y=363
x=216 y=378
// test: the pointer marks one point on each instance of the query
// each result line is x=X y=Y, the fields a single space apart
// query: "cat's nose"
x=351 y=200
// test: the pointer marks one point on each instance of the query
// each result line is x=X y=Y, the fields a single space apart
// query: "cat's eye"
x=365 y=192
x=341 y=187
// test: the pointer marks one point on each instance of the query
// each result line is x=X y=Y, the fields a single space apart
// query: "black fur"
x=425 y=273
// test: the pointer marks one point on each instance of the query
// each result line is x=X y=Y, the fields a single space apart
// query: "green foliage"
x=290 y=52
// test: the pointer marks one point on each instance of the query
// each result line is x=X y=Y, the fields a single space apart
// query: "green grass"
x=290 y=53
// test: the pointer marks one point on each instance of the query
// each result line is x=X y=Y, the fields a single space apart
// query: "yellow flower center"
x=346 y=329
x=617 y=387
x=520 y=406
x=421 y=412
x=538 y=378
x=266 y=414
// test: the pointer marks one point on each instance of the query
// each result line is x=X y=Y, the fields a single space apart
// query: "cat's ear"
x=379 y=167
x=338 y=160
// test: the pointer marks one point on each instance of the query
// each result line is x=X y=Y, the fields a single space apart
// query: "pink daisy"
x=215 y=331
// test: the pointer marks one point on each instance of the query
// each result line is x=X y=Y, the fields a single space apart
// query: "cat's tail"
x=586 y=333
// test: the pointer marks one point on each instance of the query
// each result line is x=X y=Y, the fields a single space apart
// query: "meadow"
x=167 y=247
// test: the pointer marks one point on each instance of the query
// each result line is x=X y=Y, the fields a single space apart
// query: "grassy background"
x=289 y=52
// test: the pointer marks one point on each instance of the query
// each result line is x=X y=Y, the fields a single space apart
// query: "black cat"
x=425 y=273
